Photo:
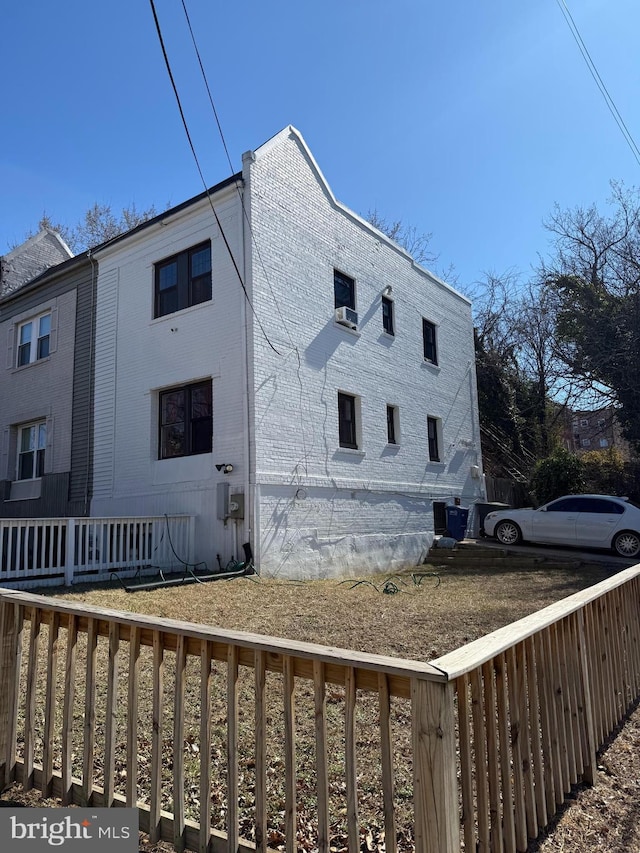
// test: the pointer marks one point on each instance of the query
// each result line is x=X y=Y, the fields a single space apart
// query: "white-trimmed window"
x=349 y=421
x=434 y=437
x=34 y=339
x=388 y=320
x=32 y=441
x=429 y=341
x=393 y=425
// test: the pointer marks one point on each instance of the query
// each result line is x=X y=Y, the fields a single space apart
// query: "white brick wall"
x=354 y=501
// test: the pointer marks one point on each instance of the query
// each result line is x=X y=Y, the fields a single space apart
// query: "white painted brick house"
x=340 y=439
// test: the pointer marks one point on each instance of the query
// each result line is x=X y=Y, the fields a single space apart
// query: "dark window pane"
x=344 y=290
x=201 y=436
x=168 y=276
x=201 y=289
x=172 y=441
x=173 y=407
x=201 y=262
x=25 y=466
x=391 y=425
x=43 y=347
x=387 y=315
x=40 y=463
x=429 y=339
x=201 y=401
x=167 y=302
x=347 y=421
x=432 y=430
x=24 y=354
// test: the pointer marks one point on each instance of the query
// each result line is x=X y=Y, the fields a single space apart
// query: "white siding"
x=136 y=355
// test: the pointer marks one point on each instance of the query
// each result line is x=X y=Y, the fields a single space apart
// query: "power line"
x=224 y=143
x=206 y=83
x=197 y=162
x=249 y=224
x=575 y=32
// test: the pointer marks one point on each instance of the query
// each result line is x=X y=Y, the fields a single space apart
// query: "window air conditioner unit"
x=347 y=317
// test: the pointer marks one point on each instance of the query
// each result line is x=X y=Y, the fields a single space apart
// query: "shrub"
x=562 y=473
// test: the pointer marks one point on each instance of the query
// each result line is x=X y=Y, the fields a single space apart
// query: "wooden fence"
x=52 y=551
x=204 y=729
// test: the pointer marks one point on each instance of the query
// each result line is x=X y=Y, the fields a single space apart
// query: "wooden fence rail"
x=212 y=733
x=535 y=701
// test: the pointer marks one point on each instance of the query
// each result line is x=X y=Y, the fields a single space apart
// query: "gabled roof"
x=31 y=258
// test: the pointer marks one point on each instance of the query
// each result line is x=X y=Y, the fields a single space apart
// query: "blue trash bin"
x=457 y=521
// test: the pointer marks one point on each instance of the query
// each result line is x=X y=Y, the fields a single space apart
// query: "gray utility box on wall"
x=229 y=505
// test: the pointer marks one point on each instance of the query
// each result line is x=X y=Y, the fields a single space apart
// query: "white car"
x=586 y=521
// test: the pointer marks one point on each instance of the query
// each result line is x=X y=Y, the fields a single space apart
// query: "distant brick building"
x=597 y=429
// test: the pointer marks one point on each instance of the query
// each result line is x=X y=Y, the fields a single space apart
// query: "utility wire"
x=197 y=162
x=248 y=222
x=575 y=32
x=226 y=149
x=206 y=83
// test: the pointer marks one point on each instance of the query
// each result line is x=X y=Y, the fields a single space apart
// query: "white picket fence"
x=54 y=551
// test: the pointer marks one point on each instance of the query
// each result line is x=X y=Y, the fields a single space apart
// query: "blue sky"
x=469 y=120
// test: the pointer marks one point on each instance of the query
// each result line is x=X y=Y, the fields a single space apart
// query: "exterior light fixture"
x=226 y=468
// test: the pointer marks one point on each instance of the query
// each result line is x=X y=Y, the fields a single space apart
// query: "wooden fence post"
x=435 y=788
x=10 y=656
x=590 y=768
x=70 y=552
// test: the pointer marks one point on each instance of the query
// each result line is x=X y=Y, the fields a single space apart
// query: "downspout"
x=92 y=330
x=252 y=529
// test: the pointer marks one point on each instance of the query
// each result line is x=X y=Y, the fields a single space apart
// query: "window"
x=186 y=421
x=387 y=315
x=586 y=442
x=347 y=425
x=433 y=428
x=183 y=280
x=393 y=431
x=344 y=290
x=33 y=339
x=429 y=341
x=604 y=442
x=584 y=422
x=32 y=441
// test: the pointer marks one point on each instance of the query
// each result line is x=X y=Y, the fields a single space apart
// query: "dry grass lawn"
x=418 y=621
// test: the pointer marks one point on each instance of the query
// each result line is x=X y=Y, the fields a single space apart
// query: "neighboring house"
x=34 y=256
x=295 y=380
x=46 y=329
x=595 y=430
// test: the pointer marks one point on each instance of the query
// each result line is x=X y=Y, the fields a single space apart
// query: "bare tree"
x=98 y=224
x=594 y=275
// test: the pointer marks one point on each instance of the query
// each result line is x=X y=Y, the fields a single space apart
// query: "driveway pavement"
x=557 y=552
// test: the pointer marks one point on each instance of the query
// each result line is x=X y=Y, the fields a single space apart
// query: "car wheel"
x=627 y=544
x=508 y=533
